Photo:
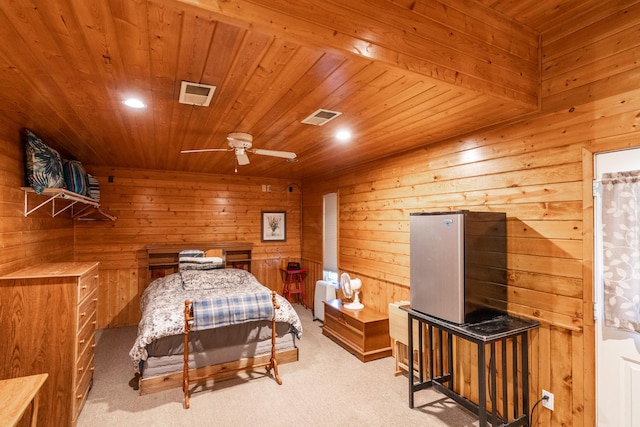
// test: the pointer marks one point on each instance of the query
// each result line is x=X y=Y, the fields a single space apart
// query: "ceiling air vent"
x=321 y=117
x=196 y=94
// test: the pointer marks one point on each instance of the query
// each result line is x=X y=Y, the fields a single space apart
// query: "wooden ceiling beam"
x=402 y=34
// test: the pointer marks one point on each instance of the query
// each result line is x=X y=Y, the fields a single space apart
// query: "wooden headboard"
x=163 y=259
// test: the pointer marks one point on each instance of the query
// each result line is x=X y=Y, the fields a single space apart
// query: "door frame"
x=589 y=364
x=622 y=349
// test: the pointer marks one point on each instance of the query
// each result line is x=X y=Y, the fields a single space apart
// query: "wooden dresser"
x=365 y=332
x=48 y=321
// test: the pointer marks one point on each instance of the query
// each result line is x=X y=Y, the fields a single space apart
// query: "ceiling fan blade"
x=242 y=157
x=274 y=153
x=204 y=150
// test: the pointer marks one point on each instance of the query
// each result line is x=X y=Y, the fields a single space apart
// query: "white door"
x=617 y=351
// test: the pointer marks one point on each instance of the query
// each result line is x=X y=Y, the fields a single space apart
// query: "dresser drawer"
x=84 y=381
x=88 y=283
x=345 y=327
x=86 y=336
x=84 y=364
x=87 y=309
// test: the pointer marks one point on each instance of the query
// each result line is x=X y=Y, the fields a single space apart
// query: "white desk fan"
x=349 y=287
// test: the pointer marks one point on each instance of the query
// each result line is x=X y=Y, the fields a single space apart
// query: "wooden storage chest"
x=365 y=332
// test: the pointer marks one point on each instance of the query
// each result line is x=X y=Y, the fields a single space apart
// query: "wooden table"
x=16 y=394
x=364 y=333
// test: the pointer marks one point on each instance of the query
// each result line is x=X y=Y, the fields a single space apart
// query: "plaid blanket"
x=224 y=311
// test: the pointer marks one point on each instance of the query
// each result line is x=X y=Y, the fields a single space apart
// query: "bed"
x=157 y=354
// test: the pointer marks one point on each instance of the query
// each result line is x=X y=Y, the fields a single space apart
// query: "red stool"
x=293 y=284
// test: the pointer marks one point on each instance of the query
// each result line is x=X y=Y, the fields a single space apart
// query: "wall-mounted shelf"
x=62 y=200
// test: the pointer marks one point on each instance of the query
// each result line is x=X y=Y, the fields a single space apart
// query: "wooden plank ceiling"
x=404 y=73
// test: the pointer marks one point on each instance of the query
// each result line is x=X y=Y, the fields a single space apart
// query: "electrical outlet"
x=547 y=403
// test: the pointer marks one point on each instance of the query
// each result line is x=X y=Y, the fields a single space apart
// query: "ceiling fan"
x=241 y=143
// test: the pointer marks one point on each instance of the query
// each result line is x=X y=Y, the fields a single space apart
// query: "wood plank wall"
x=539 y=172
x=38 y=237
x=155 y=207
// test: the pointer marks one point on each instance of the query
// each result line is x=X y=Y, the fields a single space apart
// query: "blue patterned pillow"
x=74 y=176
x=43 y=164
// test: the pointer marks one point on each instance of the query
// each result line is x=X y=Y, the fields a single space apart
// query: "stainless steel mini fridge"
x=458 y=265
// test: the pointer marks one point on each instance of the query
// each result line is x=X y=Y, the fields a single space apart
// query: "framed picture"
x=274 y=226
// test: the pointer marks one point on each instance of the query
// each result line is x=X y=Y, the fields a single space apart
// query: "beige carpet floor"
x=327 y=387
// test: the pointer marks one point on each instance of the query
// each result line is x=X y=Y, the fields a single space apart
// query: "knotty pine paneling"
x=155 y=207
x=402 y=71
x=574 y=67
x=38 y=237
x=488 y=53
x=539 y=172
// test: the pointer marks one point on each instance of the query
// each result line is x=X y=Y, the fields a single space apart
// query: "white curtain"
x=621 y=242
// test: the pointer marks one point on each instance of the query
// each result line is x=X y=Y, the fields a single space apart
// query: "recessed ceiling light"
x=343 y=135
x=134 y=103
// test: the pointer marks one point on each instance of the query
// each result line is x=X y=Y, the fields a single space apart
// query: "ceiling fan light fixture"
x=240 y=137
